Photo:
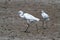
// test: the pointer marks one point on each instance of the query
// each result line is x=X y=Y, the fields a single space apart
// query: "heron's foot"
x=44 y=28
x=27 y=31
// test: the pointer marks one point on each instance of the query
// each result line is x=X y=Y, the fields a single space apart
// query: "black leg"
x=37 y=28
x=27 y=28
x=43 y=25
x=46 y=24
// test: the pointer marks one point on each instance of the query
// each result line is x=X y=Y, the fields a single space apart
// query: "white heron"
x=30 y=18
x=45 y=17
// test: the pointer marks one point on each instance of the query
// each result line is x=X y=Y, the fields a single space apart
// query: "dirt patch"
x=11 y=24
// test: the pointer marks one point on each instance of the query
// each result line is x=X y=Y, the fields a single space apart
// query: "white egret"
x=30 y=18
x=45 y=17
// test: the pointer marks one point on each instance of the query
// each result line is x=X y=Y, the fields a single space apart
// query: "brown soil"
x=11 y=25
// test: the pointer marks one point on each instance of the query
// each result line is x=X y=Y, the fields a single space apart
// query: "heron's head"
x=42 y=11
x=20 y=12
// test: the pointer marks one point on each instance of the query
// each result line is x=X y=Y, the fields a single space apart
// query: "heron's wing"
x=29 y=16
x=44 y=15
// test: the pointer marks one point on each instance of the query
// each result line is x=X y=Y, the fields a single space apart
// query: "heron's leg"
x=37 y=28
x=46 y=24
x=42 y=23
x=27 y=27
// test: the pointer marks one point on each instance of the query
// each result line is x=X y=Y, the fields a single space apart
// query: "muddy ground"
x=11 y=25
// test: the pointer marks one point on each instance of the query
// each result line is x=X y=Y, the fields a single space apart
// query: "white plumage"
x=45 y=15
x=30 y=18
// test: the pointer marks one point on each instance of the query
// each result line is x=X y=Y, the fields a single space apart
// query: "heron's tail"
x=47 y=19
x=37 y=19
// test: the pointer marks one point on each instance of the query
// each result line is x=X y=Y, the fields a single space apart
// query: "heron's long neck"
x=43 y=12
x=22 y=14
